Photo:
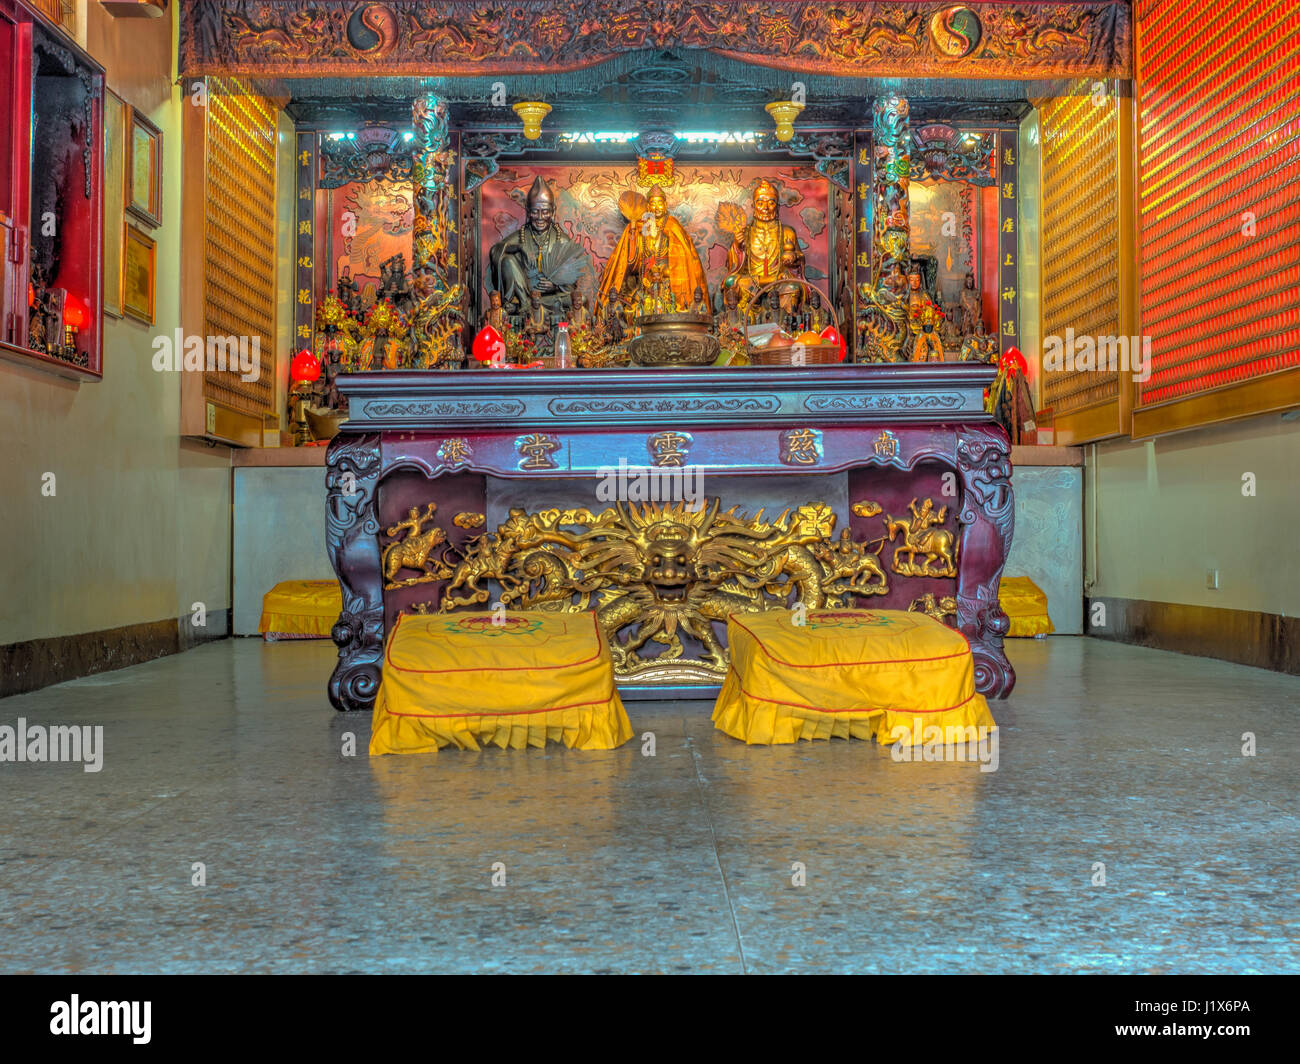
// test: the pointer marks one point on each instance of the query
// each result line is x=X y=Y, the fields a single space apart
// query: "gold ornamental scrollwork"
x=654 y=573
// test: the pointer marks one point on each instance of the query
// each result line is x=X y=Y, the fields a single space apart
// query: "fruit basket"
x=802 y=349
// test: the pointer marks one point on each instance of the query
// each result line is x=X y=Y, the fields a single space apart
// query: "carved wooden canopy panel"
x=319 y=38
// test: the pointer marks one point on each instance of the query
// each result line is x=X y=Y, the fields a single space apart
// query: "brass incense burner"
x=674 y=339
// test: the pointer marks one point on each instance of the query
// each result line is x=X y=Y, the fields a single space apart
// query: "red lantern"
x=304 y=367
x=75 y=313
x=488 y=345
x=832 y=335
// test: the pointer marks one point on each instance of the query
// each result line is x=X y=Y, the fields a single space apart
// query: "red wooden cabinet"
x=51 y=197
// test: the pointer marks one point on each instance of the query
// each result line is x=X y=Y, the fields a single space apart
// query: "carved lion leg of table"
x=988 y=514
x=352 y=466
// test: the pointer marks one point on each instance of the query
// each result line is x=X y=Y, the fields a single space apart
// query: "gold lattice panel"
x=1080 y=225
x=60 y=12
x=239 y=242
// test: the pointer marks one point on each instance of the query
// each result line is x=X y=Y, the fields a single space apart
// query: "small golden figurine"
x=535 y=324
x=496 y=317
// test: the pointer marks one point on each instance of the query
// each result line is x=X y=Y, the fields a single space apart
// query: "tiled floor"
x=682 y=862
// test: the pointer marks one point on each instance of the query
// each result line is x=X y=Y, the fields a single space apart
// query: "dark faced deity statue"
x=969 y=310
x=538 y=257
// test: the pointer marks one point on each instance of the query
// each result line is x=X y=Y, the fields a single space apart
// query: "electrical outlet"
x=1212 y=579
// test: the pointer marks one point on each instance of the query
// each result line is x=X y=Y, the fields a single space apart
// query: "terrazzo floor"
x=229 y=755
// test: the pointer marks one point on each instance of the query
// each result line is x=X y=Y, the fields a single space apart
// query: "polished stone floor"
x=229 y=755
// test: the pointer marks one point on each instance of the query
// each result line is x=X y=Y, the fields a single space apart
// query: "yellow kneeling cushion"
x=458 y=679
x=1025 y=605
x=845 y=674
x=301 y=609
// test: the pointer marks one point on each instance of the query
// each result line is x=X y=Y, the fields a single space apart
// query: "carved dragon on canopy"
x=1062 y=38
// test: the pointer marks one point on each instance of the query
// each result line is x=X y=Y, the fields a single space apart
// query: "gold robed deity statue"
x=654 y=256
x=762 y=251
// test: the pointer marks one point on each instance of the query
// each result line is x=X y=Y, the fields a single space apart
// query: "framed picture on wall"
x=144 y=170
x=138 y=276
x=116 y=114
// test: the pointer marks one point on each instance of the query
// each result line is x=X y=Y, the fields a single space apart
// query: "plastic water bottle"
x=562 y=346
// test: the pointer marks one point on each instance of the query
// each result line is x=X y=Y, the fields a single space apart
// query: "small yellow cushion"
x=301 y=608
x=845 y=674
x=462 y=680
x=1025 y=604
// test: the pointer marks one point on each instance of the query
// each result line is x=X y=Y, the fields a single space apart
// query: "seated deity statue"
x=765 y=249
x=538 y=257
x=654 y=247
x=536 y=322
x=979 y=346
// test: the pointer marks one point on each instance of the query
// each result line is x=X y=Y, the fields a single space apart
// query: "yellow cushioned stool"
x=1025 y=605
x=301 y=609
x=458 y=679
x=845 y=674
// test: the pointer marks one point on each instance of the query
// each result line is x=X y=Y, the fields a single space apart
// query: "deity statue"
x=496 y=316
x=538 y=257
x=979 y=346
x=883 y=325
x=700 y=305
x=924 y=317
x=347 y=292
x=36 y=328
x=969 y=310
x=535 y=323
x=393 y=285
x=731 y=313
x=615 y=326
x=578 y=318
x=654 y=246
x=816 y=318
x=765 y=249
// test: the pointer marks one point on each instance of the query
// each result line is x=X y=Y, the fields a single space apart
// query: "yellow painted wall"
x=1168 y=509
x=140 y=526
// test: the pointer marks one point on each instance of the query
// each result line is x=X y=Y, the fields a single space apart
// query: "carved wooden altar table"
x=854 y=486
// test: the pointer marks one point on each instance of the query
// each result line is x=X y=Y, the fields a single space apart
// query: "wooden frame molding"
x=1269 y=394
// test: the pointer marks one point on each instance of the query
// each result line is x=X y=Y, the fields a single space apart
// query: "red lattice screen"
x=1219 y=136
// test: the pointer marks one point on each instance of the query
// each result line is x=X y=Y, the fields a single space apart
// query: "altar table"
x=481 y=487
